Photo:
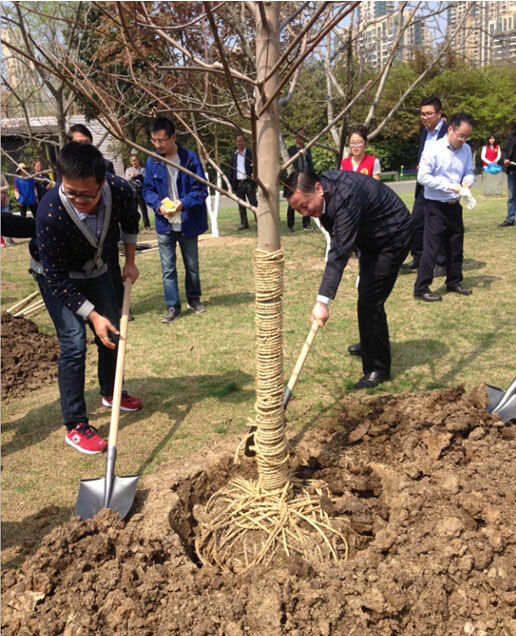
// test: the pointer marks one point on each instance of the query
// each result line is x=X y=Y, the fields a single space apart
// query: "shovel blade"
x=508 y=411
x=92 y=496
x=494 y=395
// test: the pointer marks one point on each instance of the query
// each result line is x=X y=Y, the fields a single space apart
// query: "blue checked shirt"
x=442 y=166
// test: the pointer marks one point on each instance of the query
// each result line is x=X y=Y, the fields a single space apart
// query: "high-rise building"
x=486 y=31
x=377 y=27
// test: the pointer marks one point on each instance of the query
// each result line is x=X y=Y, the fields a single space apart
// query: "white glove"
x=469 y=199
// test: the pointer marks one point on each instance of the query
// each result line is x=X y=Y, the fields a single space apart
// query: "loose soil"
x=29 y=358
x=426 y=481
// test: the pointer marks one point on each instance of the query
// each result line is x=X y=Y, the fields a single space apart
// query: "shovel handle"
x=120 y=362
x=299 y=364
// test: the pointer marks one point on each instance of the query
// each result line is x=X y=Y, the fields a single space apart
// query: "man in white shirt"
x=240 y=177
x=445 y=168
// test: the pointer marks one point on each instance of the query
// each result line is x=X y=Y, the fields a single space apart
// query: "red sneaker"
x=85 y=439
x=128 y=402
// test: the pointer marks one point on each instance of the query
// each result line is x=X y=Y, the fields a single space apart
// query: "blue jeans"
x=71 y=334
x=511 y=201
x=167 y=252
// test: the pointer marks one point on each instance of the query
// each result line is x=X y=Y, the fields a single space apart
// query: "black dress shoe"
x=459 y=289
x=372 y=379
x=355 y=349
x=411 y=266
x=439 y=271
x=429 y=297
x=505 y=224
x=243 y=227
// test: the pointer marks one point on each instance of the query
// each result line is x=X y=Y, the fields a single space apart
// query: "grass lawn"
x=196 y=376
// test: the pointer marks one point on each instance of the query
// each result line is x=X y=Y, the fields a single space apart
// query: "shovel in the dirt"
x=249 y=444
x=503 y=403
x=111 y=491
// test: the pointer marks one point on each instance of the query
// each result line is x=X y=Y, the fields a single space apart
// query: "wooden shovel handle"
x=120 y=362
x=302 y=356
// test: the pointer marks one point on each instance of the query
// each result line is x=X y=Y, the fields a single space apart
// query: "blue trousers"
x=190 y=252
x=71 y=334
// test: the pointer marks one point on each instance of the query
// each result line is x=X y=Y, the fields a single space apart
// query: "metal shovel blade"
x=110 y=491
x=503 y=403
x=495 y=395
x=92 y=496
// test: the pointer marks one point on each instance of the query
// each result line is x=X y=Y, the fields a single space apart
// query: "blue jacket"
x=192 y=193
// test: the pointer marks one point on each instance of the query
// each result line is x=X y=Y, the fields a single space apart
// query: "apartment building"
x=377 y=26
x=486 y=31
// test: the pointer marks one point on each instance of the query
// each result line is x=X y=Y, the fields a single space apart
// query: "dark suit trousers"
x=378 y=273
x=291 y=215
x=443 y=226
x=245 y=189
x=418 y=231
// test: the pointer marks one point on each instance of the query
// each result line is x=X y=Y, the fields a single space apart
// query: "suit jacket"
x=509 y=151
x=422 y=138
x=293 y=150
x=364 y=212
x=233 y=167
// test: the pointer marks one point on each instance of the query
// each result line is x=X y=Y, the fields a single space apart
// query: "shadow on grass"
x=173 y=396
x=469 y=264
x=148 y=306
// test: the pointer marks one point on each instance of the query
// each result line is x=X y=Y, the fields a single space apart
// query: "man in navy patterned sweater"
x=74 y=225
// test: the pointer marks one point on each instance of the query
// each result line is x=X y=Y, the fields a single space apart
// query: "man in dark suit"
x=435 y=127
x=357 y=211
x=240 y=177
x=303 y=162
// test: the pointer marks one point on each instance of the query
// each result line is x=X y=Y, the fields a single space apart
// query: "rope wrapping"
x=247 y=523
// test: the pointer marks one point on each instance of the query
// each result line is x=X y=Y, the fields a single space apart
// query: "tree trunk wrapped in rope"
x=248 y=523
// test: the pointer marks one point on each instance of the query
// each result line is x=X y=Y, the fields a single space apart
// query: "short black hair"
x=434 y=101
x=80 y=161
x=79 y=128
x=359 y=130
x=162 y=123
x=458 y=118
x=301 y=180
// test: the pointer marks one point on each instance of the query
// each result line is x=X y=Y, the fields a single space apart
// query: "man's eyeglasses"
x=356 y=143
x=87 y=198
x=160 y=142
x=426 y=115
x=462 y=137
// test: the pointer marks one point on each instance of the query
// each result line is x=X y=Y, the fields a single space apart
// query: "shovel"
x=248 y=451
x=111 y=491
x=503 y=403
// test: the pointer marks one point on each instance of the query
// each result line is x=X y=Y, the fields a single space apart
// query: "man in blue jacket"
x=188 y=220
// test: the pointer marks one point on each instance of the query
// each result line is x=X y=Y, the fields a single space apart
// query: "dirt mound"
x=426 y=481
x=29 y=358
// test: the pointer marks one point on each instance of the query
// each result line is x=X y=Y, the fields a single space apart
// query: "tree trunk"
x=268 y=129
x=270 y=437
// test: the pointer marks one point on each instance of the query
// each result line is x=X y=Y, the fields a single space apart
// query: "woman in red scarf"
x=491 y=151
x=358 y=161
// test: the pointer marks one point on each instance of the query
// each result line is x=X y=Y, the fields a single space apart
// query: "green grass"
x=196 y=376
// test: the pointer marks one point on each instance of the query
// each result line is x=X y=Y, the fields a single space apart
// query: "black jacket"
x=509 y=151
x=422 y=138
x=298 y=163
x=233 y=167
x=361 y=212
x=16 y=226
